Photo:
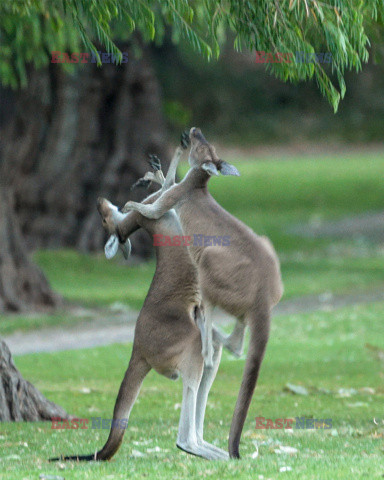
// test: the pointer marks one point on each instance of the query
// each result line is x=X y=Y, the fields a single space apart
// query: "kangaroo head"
x=203 y=155
x=110 y=217
x=107 y=212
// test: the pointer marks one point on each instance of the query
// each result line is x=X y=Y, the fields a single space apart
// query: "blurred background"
x=311 y=180
x=240 y=103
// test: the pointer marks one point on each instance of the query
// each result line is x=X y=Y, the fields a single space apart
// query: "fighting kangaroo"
x=243 y=279
x=167 y=339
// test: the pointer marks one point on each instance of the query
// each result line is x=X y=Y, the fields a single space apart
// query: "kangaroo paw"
x=155 y=162
x=141 y=183
x=185 y=141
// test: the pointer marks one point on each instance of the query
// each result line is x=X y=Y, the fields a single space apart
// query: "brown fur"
x=244 y=278
x=166 y=339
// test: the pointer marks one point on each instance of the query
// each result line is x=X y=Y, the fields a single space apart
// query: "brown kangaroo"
x=243 y=278
x=167 y=339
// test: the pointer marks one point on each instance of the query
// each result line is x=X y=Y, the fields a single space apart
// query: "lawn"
x=324 y=352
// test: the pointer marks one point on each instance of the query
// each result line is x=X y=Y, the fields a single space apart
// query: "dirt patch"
x=118 y=325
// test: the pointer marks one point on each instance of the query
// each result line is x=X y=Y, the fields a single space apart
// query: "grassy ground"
x=324 y=352
x=270 y=196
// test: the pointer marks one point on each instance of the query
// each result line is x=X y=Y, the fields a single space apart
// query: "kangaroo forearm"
x=164 y=202
x=149 y=211
x=128 y=226
x=171 y=174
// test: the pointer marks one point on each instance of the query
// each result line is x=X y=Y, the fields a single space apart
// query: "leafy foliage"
x=30 y=29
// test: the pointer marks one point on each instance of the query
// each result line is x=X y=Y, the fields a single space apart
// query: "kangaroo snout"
x=101 y=204
x=106 y=213
x=195 y=134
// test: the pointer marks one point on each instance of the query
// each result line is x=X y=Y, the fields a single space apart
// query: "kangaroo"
x=234 y=342
x=167 y=338
x=243 y=279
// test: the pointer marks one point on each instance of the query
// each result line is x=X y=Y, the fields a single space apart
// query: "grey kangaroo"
x=167 y=339
x=244 y=278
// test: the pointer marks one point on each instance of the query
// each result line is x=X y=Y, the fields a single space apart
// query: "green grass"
x=93 y=280
x=323 y=351
x=270 y=196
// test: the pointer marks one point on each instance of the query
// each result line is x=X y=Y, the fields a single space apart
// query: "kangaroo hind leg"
x=187 y=439
x=235 y=341
x=129 y=390
x=209 y=375
x=204 y=322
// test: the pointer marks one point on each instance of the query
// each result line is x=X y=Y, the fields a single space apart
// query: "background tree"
x=19 y=399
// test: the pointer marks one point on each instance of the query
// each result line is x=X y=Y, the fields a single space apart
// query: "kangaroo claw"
x=185 y=140
x=141 y=183
x=155 y=162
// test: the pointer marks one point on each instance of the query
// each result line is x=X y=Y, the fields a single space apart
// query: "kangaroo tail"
x=129 y=390
x=77 y=458
x=258 y=321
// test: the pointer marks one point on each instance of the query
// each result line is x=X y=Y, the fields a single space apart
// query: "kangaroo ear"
x=126 y=248
x=111 y=246
x=210 y=168
x=228 y=169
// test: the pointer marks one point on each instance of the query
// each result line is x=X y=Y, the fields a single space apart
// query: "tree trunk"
x=64 y=141
x=22 y=284
x=19 y=399
x=72 y=138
